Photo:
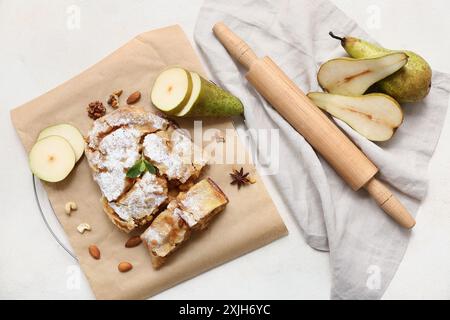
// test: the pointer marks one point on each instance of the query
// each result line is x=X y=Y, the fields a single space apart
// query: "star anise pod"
x=240 y=178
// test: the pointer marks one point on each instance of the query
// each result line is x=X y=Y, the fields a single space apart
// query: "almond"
x=94 y=251
x=133 y=242
x=134 y=97
x=124 y=266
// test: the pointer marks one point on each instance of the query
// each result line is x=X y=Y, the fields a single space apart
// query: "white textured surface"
x=42 y=49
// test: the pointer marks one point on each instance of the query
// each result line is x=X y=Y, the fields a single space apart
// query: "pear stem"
x=335 y=36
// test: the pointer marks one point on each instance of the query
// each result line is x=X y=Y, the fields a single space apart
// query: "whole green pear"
x=412 y=83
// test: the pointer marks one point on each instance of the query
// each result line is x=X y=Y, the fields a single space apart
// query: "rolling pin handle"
x=237 y=48
x=389 y=203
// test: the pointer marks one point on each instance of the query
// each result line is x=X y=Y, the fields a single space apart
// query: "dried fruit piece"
x=133 y=242
x=82 y=227
x=134 y=97
x=96 y=110
x=94 y=251
x=124 y=266
x=69 y=206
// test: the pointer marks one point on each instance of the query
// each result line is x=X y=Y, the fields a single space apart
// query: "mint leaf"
x=142 y=165
x=135 y=170
x=150 y=168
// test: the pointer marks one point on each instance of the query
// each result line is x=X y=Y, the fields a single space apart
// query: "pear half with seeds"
x=410 y=84
x=352 y=77
x=375 y=116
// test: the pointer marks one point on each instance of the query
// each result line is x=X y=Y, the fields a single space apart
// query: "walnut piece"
x=96 y=110
x=113 y=100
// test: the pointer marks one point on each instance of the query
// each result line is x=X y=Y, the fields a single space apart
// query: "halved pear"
x=209 y=100
x=196 y=88
x=68 y=132
x=171 y=90
x=375 y=116
x=352 y=77
x=52 y=159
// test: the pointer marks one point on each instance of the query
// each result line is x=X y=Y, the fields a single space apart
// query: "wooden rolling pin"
x=323 y=135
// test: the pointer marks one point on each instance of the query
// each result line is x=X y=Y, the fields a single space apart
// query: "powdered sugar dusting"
x=137 y=119
x=131 y=117
x=192 y=202
x=163 y=228
x=121 y=148
x=151 y=235
x=112 y=183
x=186 y=216
x=117 y=152
x=147 y=194
x=172 y=154
x=114 y=146
x=200 y=201
x=99 y=128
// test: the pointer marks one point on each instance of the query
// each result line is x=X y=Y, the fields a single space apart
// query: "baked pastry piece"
x=174 y=154
x=115 y=143
x=201 y=203
x=166 y=233
x=192 y=210
x=138 y=205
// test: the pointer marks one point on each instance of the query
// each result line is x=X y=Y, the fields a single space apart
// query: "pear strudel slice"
x=166 y=233
x=114 y=144
x=191 y=211
x=175 y=156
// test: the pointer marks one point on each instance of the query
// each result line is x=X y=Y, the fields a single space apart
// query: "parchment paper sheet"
x=249 y=221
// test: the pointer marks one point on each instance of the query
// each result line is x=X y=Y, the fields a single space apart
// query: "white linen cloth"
x=365 y=245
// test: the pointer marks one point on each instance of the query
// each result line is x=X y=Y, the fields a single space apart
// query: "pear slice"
x=68 y=132
x=52 y=158
x=209 y=100
x=375 y=116
x=196 y=88
x=352 y=77
x=171 y=90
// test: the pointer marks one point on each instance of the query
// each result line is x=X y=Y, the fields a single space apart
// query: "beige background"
x=39 y=52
